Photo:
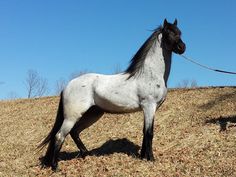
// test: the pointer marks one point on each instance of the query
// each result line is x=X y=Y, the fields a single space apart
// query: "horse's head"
x=171 y=36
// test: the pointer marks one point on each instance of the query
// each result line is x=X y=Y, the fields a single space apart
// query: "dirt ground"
x=194 y=135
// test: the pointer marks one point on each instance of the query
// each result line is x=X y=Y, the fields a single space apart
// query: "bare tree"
x=117 y=69
x=60 y=85
x=186 y=83
x=77 y=74
x=193 y=84
x=36 y=85
x=183 y=84
x=43 y=87
x=12 y=96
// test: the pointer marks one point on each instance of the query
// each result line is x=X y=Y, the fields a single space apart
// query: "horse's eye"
x=172 y=34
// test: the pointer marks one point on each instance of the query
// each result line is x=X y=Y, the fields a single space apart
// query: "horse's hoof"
x=56 y=170
x=147 y=157
x=54 y=167
x=44 y=164
x=151 y=159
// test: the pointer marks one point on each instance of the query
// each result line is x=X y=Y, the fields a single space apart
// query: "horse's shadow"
x=222 y=122
x=212 y=103
x=110 y=147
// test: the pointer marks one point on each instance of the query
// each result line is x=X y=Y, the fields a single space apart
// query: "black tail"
x=57 y=125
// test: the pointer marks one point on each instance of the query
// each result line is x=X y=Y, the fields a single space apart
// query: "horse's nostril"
x=181 y=47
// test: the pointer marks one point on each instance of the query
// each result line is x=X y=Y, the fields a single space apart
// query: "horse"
x=142 y=86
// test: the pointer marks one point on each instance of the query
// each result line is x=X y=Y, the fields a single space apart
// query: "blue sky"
x=57 y=38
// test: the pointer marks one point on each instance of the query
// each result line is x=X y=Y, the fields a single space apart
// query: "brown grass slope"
x=187 y=138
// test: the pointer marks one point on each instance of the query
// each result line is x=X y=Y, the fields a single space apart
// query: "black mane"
x=137 y=62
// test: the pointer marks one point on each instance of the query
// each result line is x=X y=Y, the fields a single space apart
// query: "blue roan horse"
x=141 y=87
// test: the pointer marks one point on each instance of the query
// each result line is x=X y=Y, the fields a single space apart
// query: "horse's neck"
x=157 y=64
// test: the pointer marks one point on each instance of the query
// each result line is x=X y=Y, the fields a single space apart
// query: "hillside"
x=194 y=135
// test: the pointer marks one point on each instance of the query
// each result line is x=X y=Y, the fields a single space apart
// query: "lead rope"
x=207 y=67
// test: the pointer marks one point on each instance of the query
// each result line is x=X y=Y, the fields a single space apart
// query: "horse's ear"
x=175 y=22
x=165 y=22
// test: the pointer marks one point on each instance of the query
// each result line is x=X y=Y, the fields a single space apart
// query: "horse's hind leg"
x=88 y=118
x=59 y=139
x=78 y=142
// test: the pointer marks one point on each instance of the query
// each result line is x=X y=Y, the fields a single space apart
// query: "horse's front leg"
x=149 y=110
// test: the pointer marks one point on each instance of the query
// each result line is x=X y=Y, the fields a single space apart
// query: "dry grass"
x=187 y=140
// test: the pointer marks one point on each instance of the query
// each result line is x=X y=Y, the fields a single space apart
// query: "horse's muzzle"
x=180 y=48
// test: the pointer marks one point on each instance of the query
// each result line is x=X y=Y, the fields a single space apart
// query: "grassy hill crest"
x=194 y=135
